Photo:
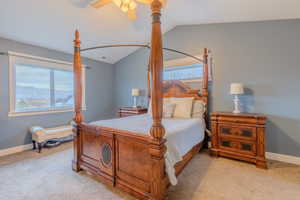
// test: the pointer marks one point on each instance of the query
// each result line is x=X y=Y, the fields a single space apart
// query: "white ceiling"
x=51 y=23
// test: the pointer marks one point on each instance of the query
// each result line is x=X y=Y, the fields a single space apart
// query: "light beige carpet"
x=48 y=176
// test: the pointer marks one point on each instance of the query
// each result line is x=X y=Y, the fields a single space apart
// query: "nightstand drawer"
x=242 y=132
x=131 y=111
x=126 y=114
x=237 y=146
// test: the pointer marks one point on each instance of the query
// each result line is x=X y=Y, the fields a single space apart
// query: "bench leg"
x=34 y=145
x=40 y=147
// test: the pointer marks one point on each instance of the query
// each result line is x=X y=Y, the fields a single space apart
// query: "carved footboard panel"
x=120 y=159
x=98 y=152
x=133 y=164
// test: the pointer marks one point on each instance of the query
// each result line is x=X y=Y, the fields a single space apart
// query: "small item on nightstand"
x=236 y=89
x=130 y=111
x=239 y=136
x=135 y=92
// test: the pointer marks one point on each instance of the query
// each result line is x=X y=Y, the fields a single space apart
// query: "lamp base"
x=134 y=102
x=236 y=102
x=236 y=111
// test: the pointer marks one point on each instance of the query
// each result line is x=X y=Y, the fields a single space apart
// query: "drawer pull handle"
x=246 y=147
x=226 y=143
x=226 y=130
x=247 y=133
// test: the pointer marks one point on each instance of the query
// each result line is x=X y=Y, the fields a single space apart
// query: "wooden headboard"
x=178 y=89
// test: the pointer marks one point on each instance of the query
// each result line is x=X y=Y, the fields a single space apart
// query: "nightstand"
x=239 y=136
x=130 y=111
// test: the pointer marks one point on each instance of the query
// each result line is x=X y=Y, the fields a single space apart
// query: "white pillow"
x=183 y=107
x=199 y=108
x=165 y=100
x=168 y=109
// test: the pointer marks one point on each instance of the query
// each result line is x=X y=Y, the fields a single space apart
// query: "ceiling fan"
x=127 y=6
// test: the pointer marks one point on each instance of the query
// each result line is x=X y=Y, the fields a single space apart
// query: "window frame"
x=180 y=62
x=41 y=62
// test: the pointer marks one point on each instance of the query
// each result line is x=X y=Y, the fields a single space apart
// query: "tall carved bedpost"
x=205 y=87
x=78 y=118
x=157 y=147
x=205 y=73
x=149 y=79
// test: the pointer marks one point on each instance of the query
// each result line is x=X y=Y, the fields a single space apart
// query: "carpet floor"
x=48 y=176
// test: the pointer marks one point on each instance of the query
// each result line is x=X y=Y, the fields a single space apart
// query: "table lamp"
x=236 y=89
x=135 y=92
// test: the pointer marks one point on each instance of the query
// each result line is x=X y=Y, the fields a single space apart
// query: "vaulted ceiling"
x=51 y=23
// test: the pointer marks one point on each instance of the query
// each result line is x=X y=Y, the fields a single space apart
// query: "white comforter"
x=181 y=135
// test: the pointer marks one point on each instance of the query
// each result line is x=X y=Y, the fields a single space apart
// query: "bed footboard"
x=129 y=161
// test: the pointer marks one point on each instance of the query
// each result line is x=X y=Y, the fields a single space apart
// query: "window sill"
x=191 y=80
x=18 y=114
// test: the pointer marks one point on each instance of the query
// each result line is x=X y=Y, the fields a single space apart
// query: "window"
x=33 y=92
x=184 y=72
x=184 y=69
x=63 y=89
x=40 y=85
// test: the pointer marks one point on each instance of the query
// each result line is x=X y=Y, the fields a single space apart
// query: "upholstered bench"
x=41 y=136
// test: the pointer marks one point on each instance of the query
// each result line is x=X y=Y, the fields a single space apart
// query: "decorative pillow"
x=168 y=109
x=199 y=108
x=165 y=100
x=183 y=107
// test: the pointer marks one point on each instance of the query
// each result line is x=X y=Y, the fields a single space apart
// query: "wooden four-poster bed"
x=133 y=162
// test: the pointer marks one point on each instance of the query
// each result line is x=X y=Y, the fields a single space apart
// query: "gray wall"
x=262 y=55
x=99 y=98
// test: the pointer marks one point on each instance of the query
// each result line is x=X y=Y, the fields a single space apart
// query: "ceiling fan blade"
x=145 y=1
x=100 y=3
x=163 y=2
x=131 y=14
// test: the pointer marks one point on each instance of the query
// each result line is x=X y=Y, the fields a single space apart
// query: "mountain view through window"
x=40 y=88
x=185 y=72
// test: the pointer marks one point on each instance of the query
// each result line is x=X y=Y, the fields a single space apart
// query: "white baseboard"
x=12 y=150
x=269 y=155
x=283 y=158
